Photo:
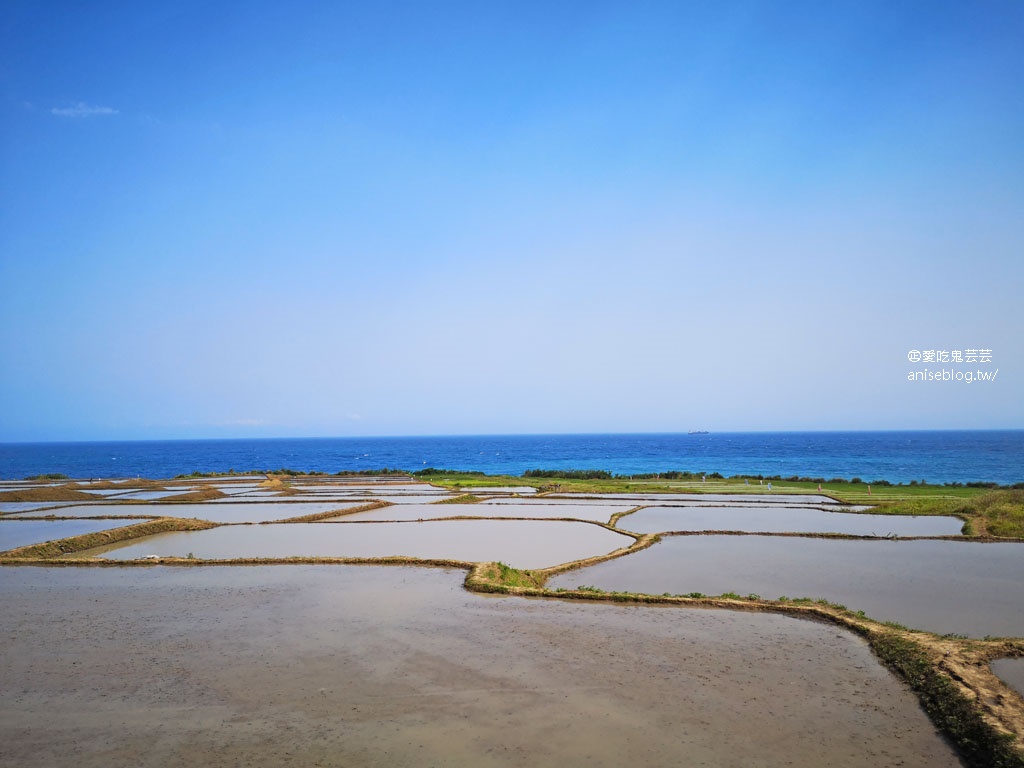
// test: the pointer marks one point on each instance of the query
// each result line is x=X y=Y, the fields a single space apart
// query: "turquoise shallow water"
x=936 y=456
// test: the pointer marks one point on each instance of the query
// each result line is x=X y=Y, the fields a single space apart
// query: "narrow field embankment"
x=60 y=547
x=317 y=516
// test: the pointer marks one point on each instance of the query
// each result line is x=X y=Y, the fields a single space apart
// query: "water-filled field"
x=1011 y=671
x=598 y=512
x=969 y=588
x=770 y=519
x=14 y=507
x=254 y=512
x=21 y=533
x=520 y=543
x=728 y=498
x=363 y=665
x=709 y=667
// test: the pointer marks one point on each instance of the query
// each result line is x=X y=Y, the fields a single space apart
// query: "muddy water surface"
x=796 y=519
x=523 y=490
x=551 y=501
x=1011 y=672
x=151 y=495
x=968 y=588
x=394 y=488
x=764 y=498
x=12 y=507
x=21 y=533
x=598 y=512
x=269 y=666
x=523 y=544
x=253 y=512
x=409 y=498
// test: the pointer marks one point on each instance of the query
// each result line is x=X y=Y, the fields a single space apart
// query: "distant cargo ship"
x=698 y=432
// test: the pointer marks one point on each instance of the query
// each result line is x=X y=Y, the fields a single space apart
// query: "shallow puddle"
x=21 y=533
x=1011 y=672
x=368 y=665
x=787 y=519
x=522 y=544
x=969 y=588
x=599 y=513
x=254 y=512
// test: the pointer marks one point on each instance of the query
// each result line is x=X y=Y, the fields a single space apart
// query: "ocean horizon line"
x=465 y=435
x=894 y=455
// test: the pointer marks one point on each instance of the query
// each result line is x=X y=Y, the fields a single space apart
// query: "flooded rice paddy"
x=257 y=495
x=364 y=665
x=522 y=490
x=355 y=498
x=553 y=500
x=1011 y=672
x=767 y=519
x=400 y=665
x=409 y=498
x=968 y=588
x=100 y=509
x=151 y=495
x=254 y=512
x=522 y=544
x=233 y=489
x=598 y=513
x=372 y=489
x=764 y=498
x=233 y=498
x=14 y=507
x=21 y=533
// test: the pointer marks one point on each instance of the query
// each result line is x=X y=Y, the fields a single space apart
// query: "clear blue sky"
x=270 y=219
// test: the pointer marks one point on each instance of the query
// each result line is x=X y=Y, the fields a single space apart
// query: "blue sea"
x=934 y=456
